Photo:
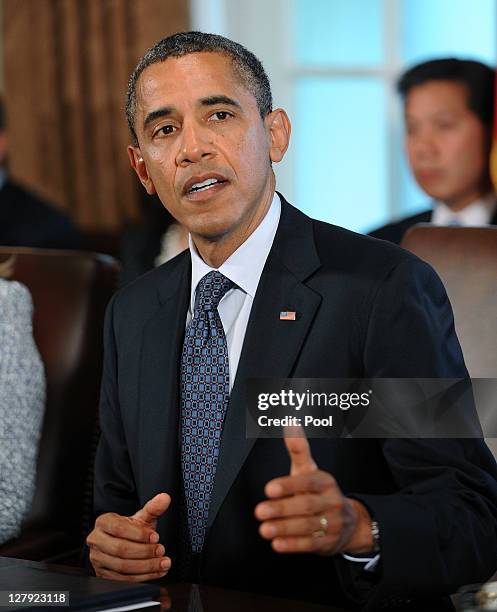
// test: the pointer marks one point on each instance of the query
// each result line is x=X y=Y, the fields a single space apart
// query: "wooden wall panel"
x=119 y=28
x=21 y=109
x=99 y=115
x=67 y=63
x=48 y=146
x=75 y=97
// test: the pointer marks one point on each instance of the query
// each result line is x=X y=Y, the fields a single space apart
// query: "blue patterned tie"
x=205 y=391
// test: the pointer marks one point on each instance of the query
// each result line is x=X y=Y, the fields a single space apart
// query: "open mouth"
x=205 y=185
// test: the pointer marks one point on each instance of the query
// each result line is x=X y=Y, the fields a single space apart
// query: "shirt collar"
x=254 y=250
x=479 y=212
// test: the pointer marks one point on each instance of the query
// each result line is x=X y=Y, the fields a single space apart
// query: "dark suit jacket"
x=394 y=232
x=365 y=308
x=26 y=220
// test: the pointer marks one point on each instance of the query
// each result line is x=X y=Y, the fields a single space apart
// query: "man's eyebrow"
x=165 y=111
x=219 y=99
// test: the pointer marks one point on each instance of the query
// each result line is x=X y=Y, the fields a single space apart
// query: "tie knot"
x=211 y=289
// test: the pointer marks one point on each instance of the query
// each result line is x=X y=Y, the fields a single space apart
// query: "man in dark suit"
x=179 y=486
x=26 y=219
x=448 y=108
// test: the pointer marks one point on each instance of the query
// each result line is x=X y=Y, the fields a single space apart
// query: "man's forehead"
x=439 y=91
x=176 y=75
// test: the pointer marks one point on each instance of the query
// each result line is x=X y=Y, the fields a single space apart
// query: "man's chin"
x=434 y=194
x=210 y=232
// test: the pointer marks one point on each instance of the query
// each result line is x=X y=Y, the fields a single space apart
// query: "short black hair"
x=245 y=64
x=478 y=78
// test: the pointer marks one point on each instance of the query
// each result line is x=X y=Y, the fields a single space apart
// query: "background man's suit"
x=26 y=220
x=364 y=309
x=394 y=232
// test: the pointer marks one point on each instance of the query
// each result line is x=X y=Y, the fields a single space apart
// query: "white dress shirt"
x=477 y=213
x=244 y=267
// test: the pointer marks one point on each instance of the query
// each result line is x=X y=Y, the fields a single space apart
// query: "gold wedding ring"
x=320 y=533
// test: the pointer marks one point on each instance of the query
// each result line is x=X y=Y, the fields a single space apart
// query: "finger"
x=308 y=544
x=129 y=567
x=315 y=482
x=122 y=527
x=110 y=575
x=154 y=508
x=125 y=549
x=303 y=526
x=300 y=453
x=305 y=504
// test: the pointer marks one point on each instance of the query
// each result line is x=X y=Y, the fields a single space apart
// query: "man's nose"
x=424 y=145
x=195 y=144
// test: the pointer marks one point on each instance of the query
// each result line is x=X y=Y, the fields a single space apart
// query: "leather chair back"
x=466 y=260
x=70 y=291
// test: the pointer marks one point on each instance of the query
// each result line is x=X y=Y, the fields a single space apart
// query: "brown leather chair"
x=70 y=291
x=466 y=260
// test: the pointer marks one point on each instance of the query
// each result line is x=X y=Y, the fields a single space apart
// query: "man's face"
x=203 y=146
x=447 y=145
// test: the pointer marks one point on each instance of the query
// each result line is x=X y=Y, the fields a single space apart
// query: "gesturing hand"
x=127 y=547
x=307 y=512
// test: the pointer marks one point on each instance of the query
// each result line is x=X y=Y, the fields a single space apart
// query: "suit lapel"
x=271 y=346
x=159 y=389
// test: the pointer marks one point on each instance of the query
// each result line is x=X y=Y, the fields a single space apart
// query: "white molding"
x=394 y=120
x=208 y=16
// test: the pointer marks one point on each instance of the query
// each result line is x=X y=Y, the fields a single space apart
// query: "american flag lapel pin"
x=288 y=315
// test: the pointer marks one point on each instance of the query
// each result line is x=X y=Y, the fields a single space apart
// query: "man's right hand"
x=127 y=547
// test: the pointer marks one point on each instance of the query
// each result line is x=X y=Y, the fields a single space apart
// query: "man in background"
x=25 y=219
x=448 y=109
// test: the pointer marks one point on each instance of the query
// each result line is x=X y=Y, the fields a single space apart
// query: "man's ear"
x=138 y=164
x=279 y=127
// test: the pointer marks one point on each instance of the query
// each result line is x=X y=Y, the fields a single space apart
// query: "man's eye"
x=221 y=115
x=445 y=125
x=166 y=129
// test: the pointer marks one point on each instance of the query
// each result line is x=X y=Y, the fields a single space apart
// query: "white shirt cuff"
x=370 y=562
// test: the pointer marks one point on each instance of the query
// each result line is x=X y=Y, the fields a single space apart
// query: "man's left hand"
x=307 y=512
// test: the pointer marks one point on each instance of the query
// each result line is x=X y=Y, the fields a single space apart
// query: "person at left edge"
x=25 y=219
x=204 y=138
